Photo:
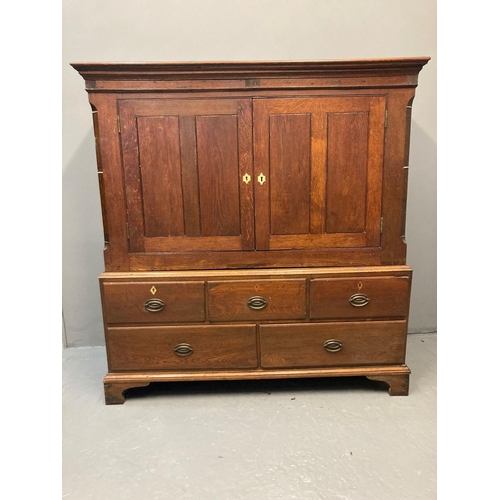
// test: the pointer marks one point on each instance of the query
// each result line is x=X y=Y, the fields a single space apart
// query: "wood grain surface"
x=367 y=343
x=228 y=300
x=152 y=348
x=389 y=297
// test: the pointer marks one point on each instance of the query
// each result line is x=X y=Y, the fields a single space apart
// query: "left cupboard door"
x=188 y=174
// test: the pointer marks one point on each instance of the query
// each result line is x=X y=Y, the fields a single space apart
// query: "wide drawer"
x=333 y=344
x=257 y=300
x=164 y=302
x=181 y=347
x=367 y=298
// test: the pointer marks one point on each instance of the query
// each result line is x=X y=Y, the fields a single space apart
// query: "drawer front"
x=333 y=344
x=150 y=302
x=181 y=347
x=256 y=300
x=365 y=298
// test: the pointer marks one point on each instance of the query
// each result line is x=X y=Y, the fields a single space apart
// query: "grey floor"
x=292 y=439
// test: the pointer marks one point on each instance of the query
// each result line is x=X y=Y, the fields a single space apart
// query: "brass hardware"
x=153 y=289
x=183 y=350
x=257 y=303
x=261 y=179
x=154 y=305
x=246 y=178
x=409 y=107
x=127 y=230
x=406 y=167
x=381 y=224
x=386 y=119
x=333 y=345
x=119 y=124
x=100 y=172
x=359 y=300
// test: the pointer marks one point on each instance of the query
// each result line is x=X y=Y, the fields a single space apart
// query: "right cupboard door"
x=318 y=171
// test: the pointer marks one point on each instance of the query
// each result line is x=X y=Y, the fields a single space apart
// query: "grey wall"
x=189 y=30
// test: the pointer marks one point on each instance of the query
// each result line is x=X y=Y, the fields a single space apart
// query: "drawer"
x=366 y=298
x=181 y=347
x=167 y=302
x=256 y=300
x=333 y=344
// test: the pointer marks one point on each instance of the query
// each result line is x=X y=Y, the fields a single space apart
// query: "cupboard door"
x=318 y=162
x=185 y=162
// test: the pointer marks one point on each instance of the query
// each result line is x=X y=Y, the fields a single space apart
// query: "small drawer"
x=256 y=300
x=181 y=347
x=333 y=344
x=153 y=302
x=366 y=298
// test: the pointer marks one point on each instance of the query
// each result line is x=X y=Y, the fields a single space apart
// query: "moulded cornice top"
x=247 y=69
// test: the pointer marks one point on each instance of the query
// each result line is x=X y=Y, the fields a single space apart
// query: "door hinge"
x=127 y=230
x=386 y=118
x=381 y=224
x=118 y=124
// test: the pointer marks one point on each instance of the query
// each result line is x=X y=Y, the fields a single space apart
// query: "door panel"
x=323 y=160
x=346 y=208
x=184 y=162
x=289 y=141
x=160 y=161
x=218 y=170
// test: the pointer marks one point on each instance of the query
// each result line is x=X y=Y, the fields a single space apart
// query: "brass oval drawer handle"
x=333 y=345
x=359 y=300
x=183 y=350
x=154 y=305
x=257 y=303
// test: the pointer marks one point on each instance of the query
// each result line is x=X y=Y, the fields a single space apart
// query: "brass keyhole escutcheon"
x=261 y=179
x=246 y=178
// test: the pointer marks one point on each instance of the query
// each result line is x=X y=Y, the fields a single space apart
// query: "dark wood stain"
x=217 y=139
x=160 y=167
x=289 y=173
x=347 y=172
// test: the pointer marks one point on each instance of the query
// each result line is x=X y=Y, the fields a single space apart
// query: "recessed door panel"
x=218 y=170
x=347 y=159
x=160 y=164
x=289 y=172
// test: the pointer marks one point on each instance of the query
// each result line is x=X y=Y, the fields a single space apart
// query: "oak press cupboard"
x=254 y=219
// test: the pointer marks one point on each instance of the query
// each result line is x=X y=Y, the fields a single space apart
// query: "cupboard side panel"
x=108 y=143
